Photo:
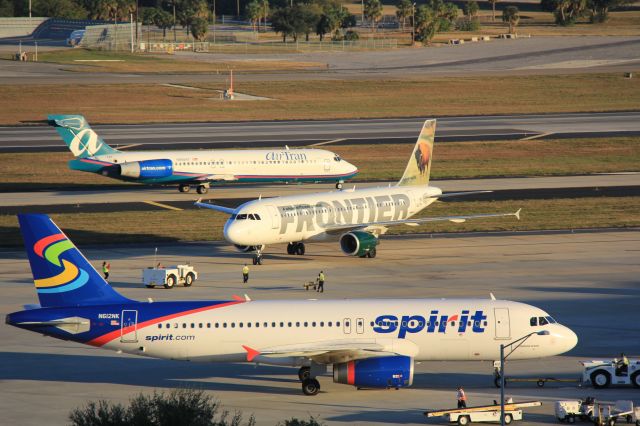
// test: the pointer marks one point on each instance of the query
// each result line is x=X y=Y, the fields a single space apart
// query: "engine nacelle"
x=147 y=169
x=248 y=249
x=357 y=243
x=383 y=372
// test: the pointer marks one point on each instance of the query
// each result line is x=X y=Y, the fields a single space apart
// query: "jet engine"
x=147 y=169
x=359 y=243
x=384 y=372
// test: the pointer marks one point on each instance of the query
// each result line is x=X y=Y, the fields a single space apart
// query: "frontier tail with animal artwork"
x=419 y=165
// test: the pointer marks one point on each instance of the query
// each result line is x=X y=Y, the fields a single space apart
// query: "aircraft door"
x=273 y=212
x=327 y=165
x=503 y=328
x=129 y=327
x=346 y=326
x=359 y=325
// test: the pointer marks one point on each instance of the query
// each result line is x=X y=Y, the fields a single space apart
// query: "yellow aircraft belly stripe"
x=66 y=276
x=164 y=206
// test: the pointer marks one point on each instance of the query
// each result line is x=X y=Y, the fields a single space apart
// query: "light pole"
x=413 y=23
x=503 y=357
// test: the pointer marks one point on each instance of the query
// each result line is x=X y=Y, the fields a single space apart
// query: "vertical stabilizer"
x=419 y=165
x=61 y=274
x=79 y=136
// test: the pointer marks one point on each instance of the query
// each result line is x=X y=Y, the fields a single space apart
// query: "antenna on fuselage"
x=286 y=147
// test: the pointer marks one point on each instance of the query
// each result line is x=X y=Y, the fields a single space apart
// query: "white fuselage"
x=309 y=217
x=424 y=329
x=247 y=165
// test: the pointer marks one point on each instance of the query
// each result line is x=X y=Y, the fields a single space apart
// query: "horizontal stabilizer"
x=459 y=194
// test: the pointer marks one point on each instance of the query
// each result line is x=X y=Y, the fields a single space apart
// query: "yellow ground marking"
x=164 y=206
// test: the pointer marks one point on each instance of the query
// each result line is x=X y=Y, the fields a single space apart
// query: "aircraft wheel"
x=184 y=187
x=372 y=253
x=257 y=259
x=290 y=248
x=171 y=281
x=635 y=379
x=202 y=189
x=304 y=373
x=508 y=419
x=310 y=387
x=339 y=185
x=463 y=420
x=188 y=280
x=300 y=249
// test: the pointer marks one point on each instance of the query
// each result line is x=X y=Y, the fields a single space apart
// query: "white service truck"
x=602 y=374
x=169 y=276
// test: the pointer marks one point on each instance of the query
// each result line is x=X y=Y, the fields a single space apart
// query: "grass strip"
x=291 y=100
x=173 y=226
x=26 y=171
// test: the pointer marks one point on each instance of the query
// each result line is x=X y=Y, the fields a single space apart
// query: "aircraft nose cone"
x=571 y=339
x=236 y=234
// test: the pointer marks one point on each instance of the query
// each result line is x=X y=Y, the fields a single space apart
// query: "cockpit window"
x=337 y=158
x=257 y=216
x=251 y=217
x=533 y=321
x=542 y=321
x=551 y=320
x=241 y=217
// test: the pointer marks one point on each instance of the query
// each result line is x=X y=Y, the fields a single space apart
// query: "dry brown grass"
x=187 y=225
x=386 y=162
x=325 y=99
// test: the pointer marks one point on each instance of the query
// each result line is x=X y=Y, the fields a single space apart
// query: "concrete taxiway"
x=324 y=133
x=135 y=194
x=588 y=281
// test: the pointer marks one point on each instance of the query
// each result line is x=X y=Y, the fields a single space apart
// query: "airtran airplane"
x=368 y=343
x=197 y=167
x=356 y=218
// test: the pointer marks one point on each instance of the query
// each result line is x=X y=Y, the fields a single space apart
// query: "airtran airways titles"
x=307 y=217
x=285 y=156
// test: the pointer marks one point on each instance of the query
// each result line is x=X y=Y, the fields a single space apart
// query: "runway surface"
x=326 y=133
x=623 y=184
x=588 y=281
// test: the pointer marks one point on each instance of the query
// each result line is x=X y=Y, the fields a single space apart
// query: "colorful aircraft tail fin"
x=79 y=137
x=419 y=165
x=62 y=275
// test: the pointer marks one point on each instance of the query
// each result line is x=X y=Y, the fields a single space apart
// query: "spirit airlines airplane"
x=369 y=343
x=197 y=167
x=354 y=217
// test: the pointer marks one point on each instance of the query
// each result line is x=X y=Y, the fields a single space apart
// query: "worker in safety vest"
x=622 y=365
x=320 y=282
x=245 y=274
x=462 y=398
x=106 y=267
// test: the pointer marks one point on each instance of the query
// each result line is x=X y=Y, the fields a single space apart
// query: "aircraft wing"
x=215 y=207
x=220 y=178
x=326 y=352
x=416 y=222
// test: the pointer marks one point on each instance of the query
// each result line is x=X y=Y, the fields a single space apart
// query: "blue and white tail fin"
x=62 y=275
x=79 y=137
x=418 y=168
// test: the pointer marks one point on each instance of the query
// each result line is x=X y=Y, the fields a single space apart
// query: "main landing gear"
x=339 y=184
x=310 y=385
x=296 y=248
x=200 y=189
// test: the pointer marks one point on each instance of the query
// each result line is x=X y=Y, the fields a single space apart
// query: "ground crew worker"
x=245 y=274
x=105 y=270
x=622 y=365
x=320 y=282
x=462 y=398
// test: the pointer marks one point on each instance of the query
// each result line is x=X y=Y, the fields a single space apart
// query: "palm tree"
x=373 y=11
x=254 y=13
x=510 y=15
x=493 y=8
x=404 y=10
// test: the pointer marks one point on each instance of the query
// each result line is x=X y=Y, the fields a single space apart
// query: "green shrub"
x=467 y=24
x=179 y=407
x=297 y=422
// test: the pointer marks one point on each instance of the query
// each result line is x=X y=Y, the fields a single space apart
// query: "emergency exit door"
x=129 y=327
x=503 y=328
x=273 y=212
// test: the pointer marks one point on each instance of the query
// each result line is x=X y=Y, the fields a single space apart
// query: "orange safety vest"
x=461 y=395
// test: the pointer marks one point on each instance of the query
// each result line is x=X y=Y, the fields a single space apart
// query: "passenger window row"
x=256 y=324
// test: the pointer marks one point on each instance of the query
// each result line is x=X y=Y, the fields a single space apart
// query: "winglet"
x=247 y=298
x=238 y=298
x=251 y=353
x=517 y=214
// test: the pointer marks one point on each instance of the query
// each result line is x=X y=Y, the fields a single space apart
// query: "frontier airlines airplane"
x=356 y=218
x=197 y=167
x=369 y=343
